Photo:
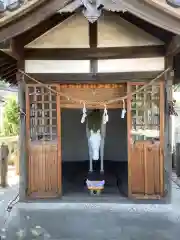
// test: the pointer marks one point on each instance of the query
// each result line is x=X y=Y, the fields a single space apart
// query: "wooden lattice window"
x=145 y=113
x=43 y=113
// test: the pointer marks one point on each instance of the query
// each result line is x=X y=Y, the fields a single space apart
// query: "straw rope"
x=105 y=103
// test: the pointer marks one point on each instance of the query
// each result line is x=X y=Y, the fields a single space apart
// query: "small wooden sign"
x=92 y=86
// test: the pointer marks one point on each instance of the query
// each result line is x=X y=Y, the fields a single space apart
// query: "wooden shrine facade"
x=51 y=57
x=145 y=153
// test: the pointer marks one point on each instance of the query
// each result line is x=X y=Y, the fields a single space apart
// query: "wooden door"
x=43 y=141
x=145 y=141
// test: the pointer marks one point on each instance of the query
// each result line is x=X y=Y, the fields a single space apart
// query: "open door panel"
x=43 y=141
x=145 y=141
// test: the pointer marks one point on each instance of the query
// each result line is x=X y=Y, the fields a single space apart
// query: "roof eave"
x=32 y=17
x=20 y=12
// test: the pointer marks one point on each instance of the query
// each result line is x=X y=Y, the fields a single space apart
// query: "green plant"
x=3 y=83
x=11 y=117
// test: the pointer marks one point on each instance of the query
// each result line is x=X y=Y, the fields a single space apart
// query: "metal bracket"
x=22 y=114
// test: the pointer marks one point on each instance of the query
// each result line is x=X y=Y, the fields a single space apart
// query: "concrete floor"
x=101 y=221
x=87 y=221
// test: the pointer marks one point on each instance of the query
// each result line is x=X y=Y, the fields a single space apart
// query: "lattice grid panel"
x=43 y=113
x=145 y=113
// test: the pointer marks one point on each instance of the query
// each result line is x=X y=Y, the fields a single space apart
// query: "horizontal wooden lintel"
x=94 y=53
x=90 y=78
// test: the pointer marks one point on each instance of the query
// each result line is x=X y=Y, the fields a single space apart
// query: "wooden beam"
x=93 y=34
x=31 y=19
x=90 y=78
x=37 y=31
x=93 y=41
x=41 y=28
x=94 y=53
x=174 y=46
x=160 y=33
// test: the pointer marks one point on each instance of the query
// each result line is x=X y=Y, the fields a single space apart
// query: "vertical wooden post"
x=93 y=41
x=129 y=137
x=168 y=128
x=59 y=170
x=162 y=129
x=4 y=152
x=22 y=140
x=178 y=159
x=18 y=51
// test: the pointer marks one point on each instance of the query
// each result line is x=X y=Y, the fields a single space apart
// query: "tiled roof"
x=17 y=8
x=164 y=6
x=12 y=9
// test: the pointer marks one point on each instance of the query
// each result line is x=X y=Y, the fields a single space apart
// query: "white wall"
x=131 y=65
x=83 y=66
x=57 y=66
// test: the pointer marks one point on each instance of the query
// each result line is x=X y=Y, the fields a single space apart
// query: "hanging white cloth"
x=84 y=114
x=105 y=115
x=123 y=110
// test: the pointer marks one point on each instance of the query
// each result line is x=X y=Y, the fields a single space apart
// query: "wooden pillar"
x=59 y=146
x=4 y=152
x=93 y=41
x=22 y=140
x=18 y=51
x=129 y=142
x=168 y=128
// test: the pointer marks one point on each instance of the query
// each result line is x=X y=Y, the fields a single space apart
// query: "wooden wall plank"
x=43 y=170
x=137 y=170
x=150 y=158
x=157 y=171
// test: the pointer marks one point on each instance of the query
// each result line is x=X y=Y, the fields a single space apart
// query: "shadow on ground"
x=97 y=221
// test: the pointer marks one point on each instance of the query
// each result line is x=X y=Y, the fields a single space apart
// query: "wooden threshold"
x=145 y=197
x=42 y=195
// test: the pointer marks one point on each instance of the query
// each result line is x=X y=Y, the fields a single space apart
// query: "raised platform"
x=75 y=175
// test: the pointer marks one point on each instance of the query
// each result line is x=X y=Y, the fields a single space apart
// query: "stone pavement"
x=97 y=221
x=101 y=221
x=9 y=193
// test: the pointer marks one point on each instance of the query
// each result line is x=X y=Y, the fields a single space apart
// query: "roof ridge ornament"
x=92 y=9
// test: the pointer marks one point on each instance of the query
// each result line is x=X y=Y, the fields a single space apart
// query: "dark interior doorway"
x=75 y=162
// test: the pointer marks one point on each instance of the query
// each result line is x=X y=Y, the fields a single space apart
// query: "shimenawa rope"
x=105 y=103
